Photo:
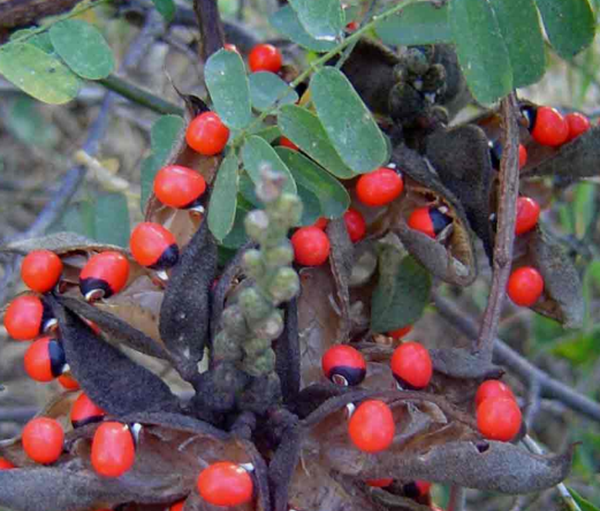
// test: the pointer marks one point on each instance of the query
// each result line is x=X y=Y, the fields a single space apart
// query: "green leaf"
x=83 y=48
x=347 y=121
x=584 y=505
x=41 y=40
x=237 y=236
x=149 y=168
x=79 y=218
x=420 y=23
x=223 y=201
x=112 y=219
x=166 y=8
x=570 y=25
x=164 y=134
x=324 y=20
x=584 y=206
x=520 y=28
x=268 y=90
x=269 y=134
x=311 y=206
x=306 y=131
x=332 y=195
x=25 y=121
x=227 y=83
x=580 y=349
x=286 y=22
x=401 y=293
x=481 y=49
x=40 y=75
x=258 y=154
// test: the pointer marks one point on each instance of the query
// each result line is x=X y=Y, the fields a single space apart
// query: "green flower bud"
x=256 y=346
x=256 y=224
x=289 y=209
x=234 y=322
x=280 y=255
x=253 y=263
x=254 y=306
x=271 y=327
x=263 y=364
x=226 y=348
x=285 y=285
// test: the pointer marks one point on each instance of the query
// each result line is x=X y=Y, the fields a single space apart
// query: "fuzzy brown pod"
x=452 y=260
x=115 y=328
x=461 y=158
x=562 y=298
x=111 y=379
x=60 y=243
x=320 y=324
x=185 y=310
x=287 y=354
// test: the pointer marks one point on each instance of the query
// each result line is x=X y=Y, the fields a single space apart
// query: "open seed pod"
x=562 y=298
x=452 y=258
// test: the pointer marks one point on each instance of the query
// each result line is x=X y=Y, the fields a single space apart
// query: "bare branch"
x=211 y=29
x=458 y=499
x=503 y=249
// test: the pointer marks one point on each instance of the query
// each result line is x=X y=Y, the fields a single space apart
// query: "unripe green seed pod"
x=253 y=263
x=254 y=306
x=285 y=285
x=256 y=224
x=280 y=255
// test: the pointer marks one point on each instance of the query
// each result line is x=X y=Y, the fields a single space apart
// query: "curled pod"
x=185 y=310
x=562 y=299
x=451 y=256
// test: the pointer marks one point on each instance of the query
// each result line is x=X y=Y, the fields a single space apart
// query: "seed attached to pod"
x=225 y=484
x=27 y=317
x=85 y=411
x=43 y=439
x=525 y=286
x=371 y=427
x=104 y=275
x=411 y=365
x=179 y=187
x=428 y=220
x=154 y=246
x=41 y=270
x=45 y=359
x=113 y=449
x=344 y=365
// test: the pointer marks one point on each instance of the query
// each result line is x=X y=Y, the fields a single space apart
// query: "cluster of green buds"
x=253 y=320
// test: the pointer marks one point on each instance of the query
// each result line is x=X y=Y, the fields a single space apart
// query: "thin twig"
x=17 y=413
x=503 y=249
x=533 y=405
x=568 y=499
x=505 y=355
x=457 y=499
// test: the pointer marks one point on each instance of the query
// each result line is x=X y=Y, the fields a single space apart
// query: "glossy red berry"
x=45 y=360
x=42 y=439
x=379 y=187
x=400 y=332
x=225 y=484
x=344 y=365
x=525 y=286
x=27 y=317
x=429 y=221
x=231 y=47
x=265 y=57
x=528 y=214
x=321 y=223
x=355 y=224
x=578 y=124
x=371 y=427
x=113 y=449
x=549 y=127
x=286 y=142
x=104 y=275
x=499 y=418
x=492 y=389
x=85 y=411
x=154 y=246
x=68 y=382
x=379 y=483
x=179 y=187
x=522 y=156
x=5 y=464
x=411 y=365
x=311 y=246
x=352 y=26
x=41 y=270
x=207 y=134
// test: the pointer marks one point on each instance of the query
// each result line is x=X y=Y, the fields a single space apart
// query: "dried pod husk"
x=111 y=380
x=185 y=311
x=60 y=243
x=287 y=354
x=562 y=298
x=115 y=328
x=461 y=158
x=452 y=260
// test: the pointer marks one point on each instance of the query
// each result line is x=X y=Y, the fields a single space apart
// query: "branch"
x=211 y=29
x=519 y=365
x=457 y=500
x=507 y=207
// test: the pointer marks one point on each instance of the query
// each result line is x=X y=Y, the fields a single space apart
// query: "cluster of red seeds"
x=550 y=128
